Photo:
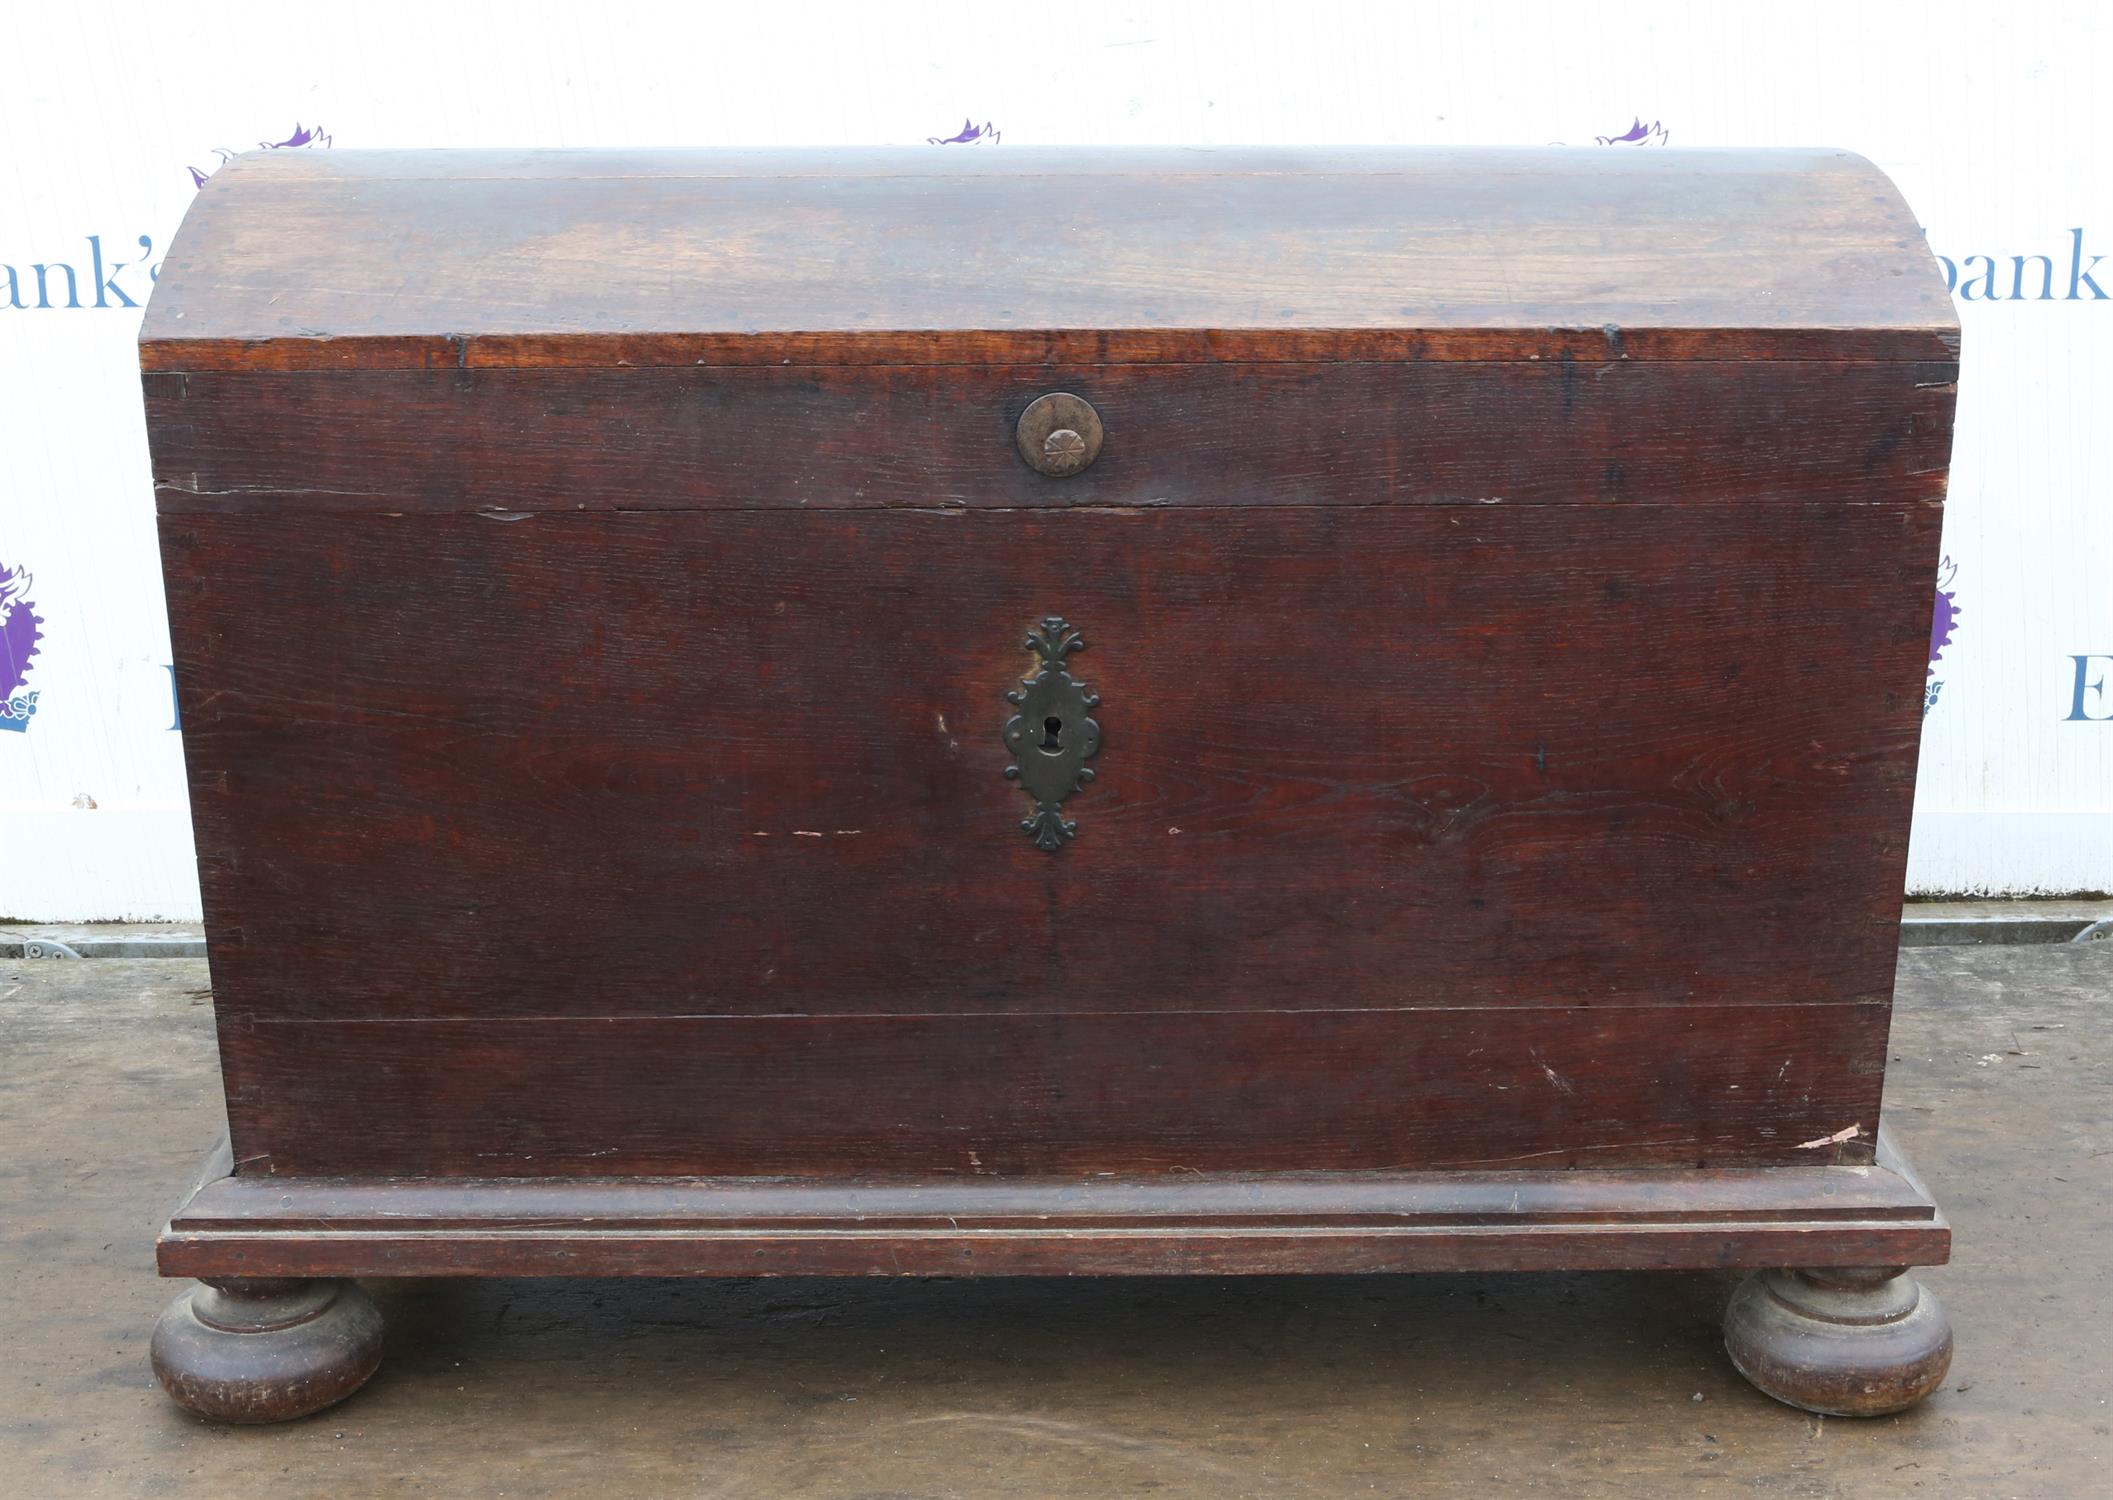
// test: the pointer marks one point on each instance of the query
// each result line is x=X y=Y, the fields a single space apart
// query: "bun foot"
x=266 y=1350
x=1845 y=1343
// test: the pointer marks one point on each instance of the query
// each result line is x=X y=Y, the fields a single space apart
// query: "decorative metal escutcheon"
x=1051 y=736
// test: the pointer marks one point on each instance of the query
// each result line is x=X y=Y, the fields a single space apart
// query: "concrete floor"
x=1579 y=1386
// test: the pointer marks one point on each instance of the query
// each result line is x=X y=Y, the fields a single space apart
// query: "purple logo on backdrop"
x=1638 y=134
x=968 y=135
x=302 y=136
x=1942 y=622
x=18 y=644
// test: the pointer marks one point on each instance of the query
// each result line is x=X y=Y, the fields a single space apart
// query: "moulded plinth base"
x=289 y=1338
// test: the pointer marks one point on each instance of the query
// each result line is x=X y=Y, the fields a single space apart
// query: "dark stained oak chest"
x=1463 y=615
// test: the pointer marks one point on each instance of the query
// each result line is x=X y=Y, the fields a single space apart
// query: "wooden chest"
x=1049 y=712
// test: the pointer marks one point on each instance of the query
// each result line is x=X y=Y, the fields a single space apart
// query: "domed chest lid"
x=926 y=256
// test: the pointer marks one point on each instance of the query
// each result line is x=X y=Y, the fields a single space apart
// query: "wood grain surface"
x=691 y=839
x=1572 y=432
x=1526 y=1218
x=728 y=762
x=403 y=259
x=1056 y=1094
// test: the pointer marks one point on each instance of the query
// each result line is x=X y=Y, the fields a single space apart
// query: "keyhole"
x=1051 y=728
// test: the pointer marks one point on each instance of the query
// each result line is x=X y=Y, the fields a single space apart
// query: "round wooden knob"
x=1059 y=434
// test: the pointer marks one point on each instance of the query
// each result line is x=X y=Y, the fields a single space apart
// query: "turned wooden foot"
x=266 y=1350
x=1848 y=1343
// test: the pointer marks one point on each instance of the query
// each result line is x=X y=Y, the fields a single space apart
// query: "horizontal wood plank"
x=1238 y=1252
x=1054 y=348
x=1057 y=1094
x=1600 y=430
x=1452 y=1199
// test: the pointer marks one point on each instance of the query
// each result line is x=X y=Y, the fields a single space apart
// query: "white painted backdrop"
x=1990 y=121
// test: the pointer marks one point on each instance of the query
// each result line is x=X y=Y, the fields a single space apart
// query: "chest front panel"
x=1496 y=762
